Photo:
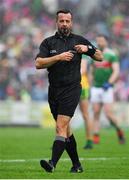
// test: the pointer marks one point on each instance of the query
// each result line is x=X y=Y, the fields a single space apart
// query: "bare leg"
x=108 y=109
x=87 y=120
x=59 y=143
x=62 y=124
x=96 y=126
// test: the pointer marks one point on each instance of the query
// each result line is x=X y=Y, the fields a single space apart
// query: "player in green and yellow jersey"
x=104 y=76
x=84 y=103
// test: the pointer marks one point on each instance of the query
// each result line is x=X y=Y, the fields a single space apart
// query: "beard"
x=64 y=31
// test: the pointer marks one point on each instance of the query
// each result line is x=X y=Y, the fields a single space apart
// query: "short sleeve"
x=43 y=49
x=87 y=58
x=115 y=58
x=84 y=56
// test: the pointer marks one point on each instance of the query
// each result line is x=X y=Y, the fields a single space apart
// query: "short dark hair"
x=104 y=36
x=64 y=11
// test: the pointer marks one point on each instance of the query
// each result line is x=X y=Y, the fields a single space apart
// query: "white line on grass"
x=63 y=159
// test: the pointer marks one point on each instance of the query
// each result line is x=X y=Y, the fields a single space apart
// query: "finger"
x=70 y=57
x=69 y=53
x=78 y=49
x=76 y=46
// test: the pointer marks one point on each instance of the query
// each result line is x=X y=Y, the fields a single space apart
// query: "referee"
x=61 y=55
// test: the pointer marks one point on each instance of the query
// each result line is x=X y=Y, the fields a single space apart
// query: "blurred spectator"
x=25 y=23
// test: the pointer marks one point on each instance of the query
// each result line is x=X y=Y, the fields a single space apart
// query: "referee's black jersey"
x=64 y=73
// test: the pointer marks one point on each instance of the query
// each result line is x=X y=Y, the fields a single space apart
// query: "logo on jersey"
x=53 y=51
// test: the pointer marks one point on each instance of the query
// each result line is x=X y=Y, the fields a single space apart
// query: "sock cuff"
x=70 y=138
x=60 y=138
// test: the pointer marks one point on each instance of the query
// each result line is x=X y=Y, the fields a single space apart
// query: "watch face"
x=89 y=47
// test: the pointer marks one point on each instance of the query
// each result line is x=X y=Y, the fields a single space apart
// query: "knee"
x=62 y=125
x=96 y=114
x=61 y=128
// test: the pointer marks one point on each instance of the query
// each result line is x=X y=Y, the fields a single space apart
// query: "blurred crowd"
x=25 y=23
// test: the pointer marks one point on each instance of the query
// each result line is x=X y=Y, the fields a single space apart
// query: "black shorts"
x=64 y=100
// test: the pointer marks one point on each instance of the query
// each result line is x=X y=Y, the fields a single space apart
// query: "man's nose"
x=64 y=23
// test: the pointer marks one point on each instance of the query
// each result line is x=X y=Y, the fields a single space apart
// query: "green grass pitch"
x=22 y=148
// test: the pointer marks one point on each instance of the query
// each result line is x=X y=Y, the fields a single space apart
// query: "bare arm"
x=42 y=63
x=83 y=66
x=115 y=73
x=90 y=74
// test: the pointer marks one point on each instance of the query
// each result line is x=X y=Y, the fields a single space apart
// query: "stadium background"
x=24 y=24
x=23 y=89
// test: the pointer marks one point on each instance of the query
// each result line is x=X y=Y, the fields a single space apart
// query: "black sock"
x=57 y=149
x=71 y=148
